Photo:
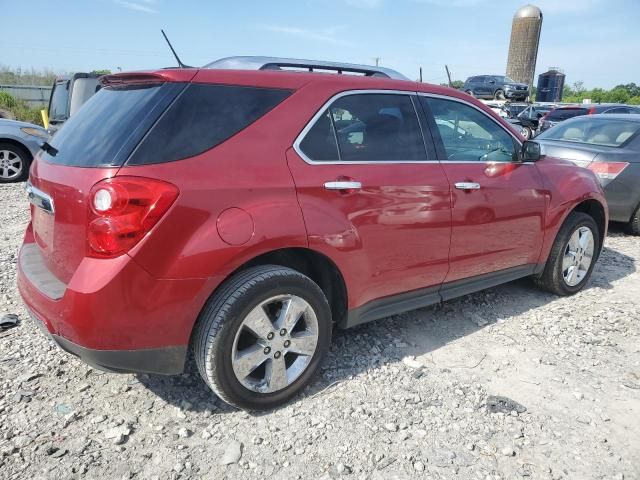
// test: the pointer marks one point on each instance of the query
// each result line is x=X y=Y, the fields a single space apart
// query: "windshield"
x=106 y=129
x=505 y=80
x=565 y=113
x=59 y=102
x=593 y=131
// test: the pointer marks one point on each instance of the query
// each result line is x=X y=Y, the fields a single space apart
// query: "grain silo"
x=523 y=49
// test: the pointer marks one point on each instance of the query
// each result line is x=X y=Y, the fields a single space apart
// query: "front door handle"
x=467 y=186
x=342 y=185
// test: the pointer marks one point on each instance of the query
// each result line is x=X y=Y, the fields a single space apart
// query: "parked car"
x=19 y=142
x=529 y=119
x=69 y=93
x=561 y=114
x=499 y=87
x=609 y=145
x=513 y=109
x=226 y=216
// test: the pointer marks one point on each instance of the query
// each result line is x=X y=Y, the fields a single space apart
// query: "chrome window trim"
x=327 y=104
x=411 y=94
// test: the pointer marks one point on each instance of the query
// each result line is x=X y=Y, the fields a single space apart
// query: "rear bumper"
x=112 y=313
x=163 y=361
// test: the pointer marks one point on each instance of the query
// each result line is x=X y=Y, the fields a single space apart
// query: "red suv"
x=234 y=217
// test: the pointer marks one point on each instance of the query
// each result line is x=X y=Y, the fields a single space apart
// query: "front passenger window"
x=468 y=134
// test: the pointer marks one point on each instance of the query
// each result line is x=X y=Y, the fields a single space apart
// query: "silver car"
x=609 y=145
x=19 y=142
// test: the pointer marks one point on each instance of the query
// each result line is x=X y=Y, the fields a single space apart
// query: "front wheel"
x=527 y=133
x=14 y=163
x=262 y=336
x=573 y=256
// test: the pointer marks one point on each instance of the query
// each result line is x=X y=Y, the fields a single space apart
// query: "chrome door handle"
x=342 y=185
x=467 y=186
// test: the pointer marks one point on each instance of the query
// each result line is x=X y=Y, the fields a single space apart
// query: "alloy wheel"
x=578 y=256
x=11 y=165
x=275 y=343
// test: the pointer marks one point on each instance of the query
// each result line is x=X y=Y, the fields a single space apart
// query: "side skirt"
x=425 y=297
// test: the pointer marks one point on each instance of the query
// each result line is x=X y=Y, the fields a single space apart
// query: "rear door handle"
x=467 y=186
x=342 y=185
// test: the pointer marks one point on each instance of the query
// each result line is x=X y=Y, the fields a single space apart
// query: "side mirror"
x=531 y=152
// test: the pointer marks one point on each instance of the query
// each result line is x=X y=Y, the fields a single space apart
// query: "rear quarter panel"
x=565 y=186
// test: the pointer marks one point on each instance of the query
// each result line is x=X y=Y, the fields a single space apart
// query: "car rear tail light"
x=607 y=171
x=122 y=210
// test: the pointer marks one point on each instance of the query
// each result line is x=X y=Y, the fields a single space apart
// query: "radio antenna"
x=180 y=64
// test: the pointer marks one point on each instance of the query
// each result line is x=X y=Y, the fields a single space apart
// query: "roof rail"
x=275 y=63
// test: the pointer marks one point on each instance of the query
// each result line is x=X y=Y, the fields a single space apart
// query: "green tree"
x=617 y=95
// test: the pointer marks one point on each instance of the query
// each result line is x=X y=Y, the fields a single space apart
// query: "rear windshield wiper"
x=46 y=146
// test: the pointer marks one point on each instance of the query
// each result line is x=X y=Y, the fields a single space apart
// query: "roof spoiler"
x=146 y=78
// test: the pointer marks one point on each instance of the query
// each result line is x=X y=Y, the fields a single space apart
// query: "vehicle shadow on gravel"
x=415 y=333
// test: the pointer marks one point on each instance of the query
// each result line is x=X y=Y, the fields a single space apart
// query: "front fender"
x=565 y=187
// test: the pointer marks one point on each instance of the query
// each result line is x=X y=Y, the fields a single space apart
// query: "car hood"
x=4 y=122
x=579 y=154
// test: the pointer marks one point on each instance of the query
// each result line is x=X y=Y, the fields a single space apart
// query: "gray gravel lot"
x=405 y=397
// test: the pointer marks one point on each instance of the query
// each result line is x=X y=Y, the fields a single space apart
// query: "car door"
x=481 y=86
x=371 y=199
x=497 y=201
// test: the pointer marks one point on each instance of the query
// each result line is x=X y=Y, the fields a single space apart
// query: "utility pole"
x=420 y=74
x=448 y=75
x=377 y=60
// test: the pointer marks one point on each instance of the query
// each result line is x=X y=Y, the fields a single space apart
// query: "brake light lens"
x=607 y=171
x=123 y=210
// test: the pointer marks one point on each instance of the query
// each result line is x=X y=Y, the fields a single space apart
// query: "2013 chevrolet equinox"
x=236 y=216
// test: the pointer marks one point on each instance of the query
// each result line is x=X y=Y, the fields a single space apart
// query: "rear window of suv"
x=106 y=129
x=201 y=118
x=158 y=123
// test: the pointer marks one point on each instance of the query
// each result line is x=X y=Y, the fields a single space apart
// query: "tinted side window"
x=319 y=143
x=377 y=127
x=201 y=118
x=618 y=110
x=468 y=134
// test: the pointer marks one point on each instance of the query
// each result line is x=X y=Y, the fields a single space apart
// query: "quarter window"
x=368 y=127
x=469 y=135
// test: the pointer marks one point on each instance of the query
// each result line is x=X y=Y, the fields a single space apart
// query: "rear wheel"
x=262 y=336
x=633 y=227
x=499 y=95
x=470 y=92
x=527 y=133
x=14 y=163
x=573 y=256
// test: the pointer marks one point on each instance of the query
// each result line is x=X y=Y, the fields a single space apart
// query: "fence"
x=34 y=95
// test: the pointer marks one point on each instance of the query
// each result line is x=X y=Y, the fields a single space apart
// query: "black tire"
x=25 y=162
x=470 y=92
x=499 y=95
x=552 y=278
x=223 y=315
x=633 y=227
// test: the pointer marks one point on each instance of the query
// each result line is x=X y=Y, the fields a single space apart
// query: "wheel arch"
x=315 y=265
x=16 y=143
x=595 y=210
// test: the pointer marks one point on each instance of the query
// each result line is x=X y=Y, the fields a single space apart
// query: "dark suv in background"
x=499 y=87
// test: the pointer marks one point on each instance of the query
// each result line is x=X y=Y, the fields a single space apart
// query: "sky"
x=593 y=41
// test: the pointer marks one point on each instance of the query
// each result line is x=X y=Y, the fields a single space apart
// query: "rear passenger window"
x=201 y=118
x=368 y=127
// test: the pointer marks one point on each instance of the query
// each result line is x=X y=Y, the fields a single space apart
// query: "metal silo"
x=550 y=86
x=523 y=49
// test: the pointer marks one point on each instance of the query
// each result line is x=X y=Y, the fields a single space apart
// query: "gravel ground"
x=405 y=397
